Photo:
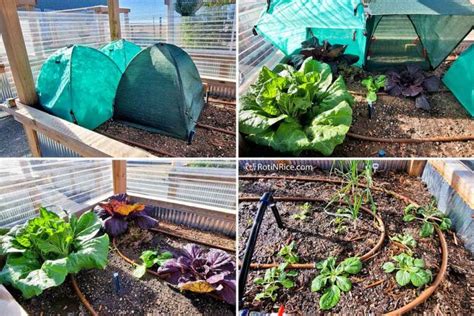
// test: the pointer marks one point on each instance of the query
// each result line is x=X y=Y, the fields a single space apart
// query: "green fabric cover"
x=440 y=25
x=161 y=91
x=286 y=24
x=121 y=52
x=460 y=79
x=78 y=84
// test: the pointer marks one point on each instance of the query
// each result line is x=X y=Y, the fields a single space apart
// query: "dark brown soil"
x=452 y=297
x=206 y=143
x=146 y=296
x=399 y=118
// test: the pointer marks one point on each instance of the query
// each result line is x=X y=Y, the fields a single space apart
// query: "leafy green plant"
x=303 y=214
x=288 y=253
x=43 y=251
x=409 y=270
x=406 y=240
x=149 y=259
x=429 y=215
x=373 y=85
x=340 y=221
x=273 y=280
x=333 y=279
x=292 y=111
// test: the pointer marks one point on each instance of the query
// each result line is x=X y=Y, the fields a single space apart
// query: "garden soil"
x=373 y=291
x=148 y=295
x=206 y=143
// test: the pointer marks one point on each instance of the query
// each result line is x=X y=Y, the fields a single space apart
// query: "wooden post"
x=33 y=142
x=119 y=171
x=114 y=19
x=416 y=167
x=16 y=53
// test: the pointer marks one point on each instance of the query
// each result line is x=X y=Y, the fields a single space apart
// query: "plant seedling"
x=303 y=214
x=149 y=259
x=429 y=215
x=373 y=85
x=409 y=270
x=334 y=279
x=274 y=279
x=288 y=253
x=406 y=240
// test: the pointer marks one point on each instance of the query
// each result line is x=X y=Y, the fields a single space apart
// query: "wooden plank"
x=9 y=305
x=114 y=19
x=85 y=142
x=226 y=216
x=119 y=171
x=16 y=52
x=458 y=176
x=33 y=142
x=415 y=167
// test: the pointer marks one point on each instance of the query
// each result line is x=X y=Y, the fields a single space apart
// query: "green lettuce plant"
x=43 y=251
x=303 y=214
x=273 y=280
x=288 y=253
x=429 y=215
x=409 y=270
x=406 y=240
x=333 y=279
x=150 y=258
x=373 y=85
x=292 y=111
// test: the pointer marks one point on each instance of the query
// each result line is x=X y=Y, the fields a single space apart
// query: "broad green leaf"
x=445 y=224
x=318 y=283
x=292 y=273
x=330 y=298
x=402 y=277
x=92 y=254
x=427 y=230
x=343 y=283
x=287 y=283
x=371 y=97
x=420 y=263
x=329 y=129
x=410 y=208
x=408 y=218
x=86 y=227
x=256 y=121
x=388 y=267
x=352 y=265
x=418 y=278
x=258 y=281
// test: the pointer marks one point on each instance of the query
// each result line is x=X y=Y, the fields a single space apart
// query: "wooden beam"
x=114 y=19
x=119 y=171
x=85 y=142
x=415 y=167
x=33 y=142
x=16 y=52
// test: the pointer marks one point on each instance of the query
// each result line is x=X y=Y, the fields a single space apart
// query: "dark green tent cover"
x=78 y=83
x=415 y=31
x=460 y=79
x=161 y=91
x=121 y=52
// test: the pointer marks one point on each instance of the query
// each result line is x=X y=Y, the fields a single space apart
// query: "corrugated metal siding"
x=51 y=148
x=70 y=185
x=207 y=184
x=194 y=220
x=450 y=203
x=384 y=165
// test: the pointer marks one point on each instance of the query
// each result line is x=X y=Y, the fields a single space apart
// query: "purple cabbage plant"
x=203 y=272
x=117 y=212
x=413 y=82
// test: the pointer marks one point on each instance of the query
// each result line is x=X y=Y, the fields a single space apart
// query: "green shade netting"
x=78 y=84
x=121 y=52
x=416 y=31
x=161 y=91
x=460 y=79
x=286 y=24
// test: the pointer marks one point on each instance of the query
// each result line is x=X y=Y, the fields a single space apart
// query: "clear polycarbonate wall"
x=209 y=37
x=58 y=185
x=208 y=184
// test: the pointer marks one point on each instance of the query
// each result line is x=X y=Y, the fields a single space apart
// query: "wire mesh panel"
x=70 y=185
x=209 y=184
x=254 y=51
